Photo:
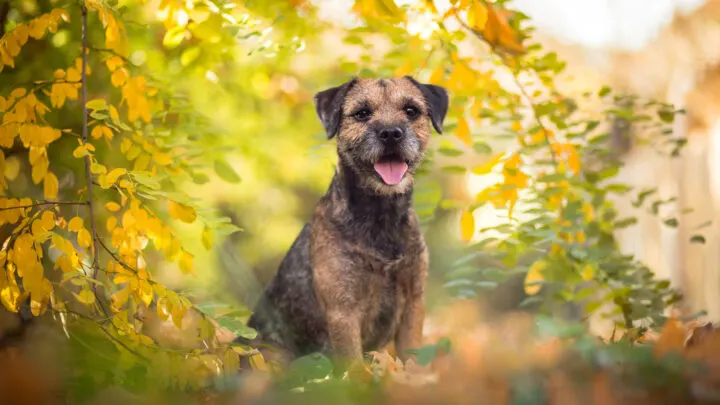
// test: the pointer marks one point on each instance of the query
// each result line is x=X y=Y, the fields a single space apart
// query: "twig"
x=39 y=83
x=88 y=173
x=117 y=259
x=110 y=51
x=514 y=73
x=104 y=330
x=4 y=11
x=41 y=203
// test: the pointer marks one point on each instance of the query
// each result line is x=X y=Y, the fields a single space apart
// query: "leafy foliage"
x=105 y=147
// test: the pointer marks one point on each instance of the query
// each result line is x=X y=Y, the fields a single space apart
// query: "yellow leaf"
x=119 y=299
x=534 y=275
x=39 y=169
x=463 y=131
x=207 y=238
x=478 y=16
x=163 y=159
x=86 y=297
x=17 y=93
x=48 y=220
x=467 y=226
x=12 y=167
x=97 y=168
x=437 y=75
x=112 y=206
x=83 y=150
x=84 y=238
x=580 y=236
x=50 y=186
x=588 y=272
x=111 y=223
x=97 y=132
x=114 y=175
x=75 y=224
x=486 y=167
x=497 y=31
x=181 y=212
x=257 y=362
x=146 y=292
x=186 y=262
x=114 y=113
x=128 y=220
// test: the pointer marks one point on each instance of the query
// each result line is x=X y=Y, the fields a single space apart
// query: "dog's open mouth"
x=391 y=169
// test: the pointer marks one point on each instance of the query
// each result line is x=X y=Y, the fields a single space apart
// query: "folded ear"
x=329 y=105
x=436 y=98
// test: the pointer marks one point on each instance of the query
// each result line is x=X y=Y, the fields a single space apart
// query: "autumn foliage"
x=107 y=146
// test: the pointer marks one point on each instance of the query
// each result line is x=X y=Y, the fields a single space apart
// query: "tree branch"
x=110 y=51
x=514 y=73
x=41 y=203
x=88 y=173
x=117 y=259
x=4 y=11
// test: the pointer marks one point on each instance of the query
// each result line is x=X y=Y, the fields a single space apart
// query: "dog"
x=354 y=278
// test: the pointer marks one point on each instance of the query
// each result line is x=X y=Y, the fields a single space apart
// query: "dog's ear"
x=436 y=98
x=329 y=105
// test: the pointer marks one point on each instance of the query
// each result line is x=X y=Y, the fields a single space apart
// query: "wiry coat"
x=353 y=280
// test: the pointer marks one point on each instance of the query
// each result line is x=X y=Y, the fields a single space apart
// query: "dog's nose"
x=392 y=134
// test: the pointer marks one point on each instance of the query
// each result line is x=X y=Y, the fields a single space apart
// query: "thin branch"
x=4 y=11
x=516 y=79
x=39 y=83
x=88 y=173
x=41 y=203
x=110 y=51
x=116 y=258
x=104 y=330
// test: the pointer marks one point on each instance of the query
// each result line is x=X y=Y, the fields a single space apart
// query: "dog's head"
x=382 y=127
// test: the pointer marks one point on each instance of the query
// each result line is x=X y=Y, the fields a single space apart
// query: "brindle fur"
x=354 y=278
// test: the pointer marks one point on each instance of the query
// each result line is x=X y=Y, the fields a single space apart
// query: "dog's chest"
x=384 y=294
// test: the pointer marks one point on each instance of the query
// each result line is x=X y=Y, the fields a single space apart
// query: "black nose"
x=392 y=134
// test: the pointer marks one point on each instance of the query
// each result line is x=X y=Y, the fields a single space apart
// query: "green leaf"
x=454 y=169
x=666 y=115
x=449 y=152
x=200 y=178
x=482 y=147
x=146 y=180
x=642 y=196
x=189 y=55
x=671 y=222
x=604 y=91
x=174 y=36
x=426 y=354
x=552 y=178
x=697 y=239
x=226 y=172
x=97 y=104
x=310 y=367
x=236 y=326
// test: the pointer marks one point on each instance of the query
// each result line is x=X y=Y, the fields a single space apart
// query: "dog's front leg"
x=343 y=316
x=409 y=333
x=345 y=338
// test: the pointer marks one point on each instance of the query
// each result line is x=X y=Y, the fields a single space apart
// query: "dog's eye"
x=411 y=111
x=362 y=114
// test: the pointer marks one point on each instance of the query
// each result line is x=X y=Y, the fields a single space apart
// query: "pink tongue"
x=391 y=172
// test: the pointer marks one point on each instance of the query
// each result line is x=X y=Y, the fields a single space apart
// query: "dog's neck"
x=362 y=199
x=371 y=218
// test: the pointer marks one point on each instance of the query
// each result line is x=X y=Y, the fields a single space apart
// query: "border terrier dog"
x=353 y=280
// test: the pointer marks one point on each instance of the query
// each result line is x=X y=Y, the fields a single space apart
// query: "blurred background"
x=668 y=50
